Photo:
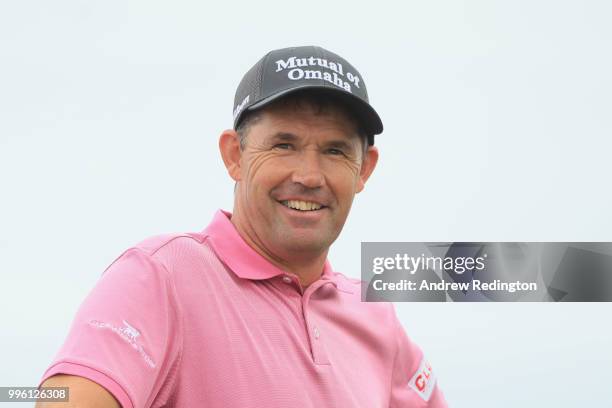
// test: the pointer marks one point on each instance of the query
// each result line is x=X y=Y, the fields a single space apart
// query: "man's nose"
x=308 y=171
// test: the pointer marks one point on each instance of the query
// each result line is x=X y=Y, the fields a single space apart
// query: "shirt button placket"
x=314 y=332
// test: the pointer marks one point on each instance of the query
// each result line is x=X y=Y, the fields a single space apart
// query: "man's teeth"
x=301 y=205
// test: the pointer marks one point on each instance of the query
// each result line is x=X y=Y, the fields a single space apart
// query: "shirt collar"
x=243 y=260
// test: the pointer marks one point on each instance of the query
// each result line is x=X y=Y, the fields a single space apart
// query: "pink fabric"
x=202 y=320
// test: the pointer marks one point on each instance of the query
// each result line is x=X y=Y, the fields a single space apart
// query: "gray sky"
x=497 y=128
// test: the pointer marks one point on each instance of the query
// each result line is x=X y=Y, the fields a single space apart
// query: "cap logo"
x=330 y=71
x=241 y=106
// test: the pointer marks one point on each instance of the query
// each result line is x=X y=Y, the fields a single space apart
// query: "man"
x=249 y=312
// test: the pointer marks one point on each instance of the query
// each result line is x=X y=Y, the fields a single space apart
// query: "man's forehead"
x=295 y=124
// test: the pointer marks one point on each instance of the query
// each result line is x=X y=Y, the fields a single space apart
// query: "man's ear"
x=367 y=167
x=229 y=146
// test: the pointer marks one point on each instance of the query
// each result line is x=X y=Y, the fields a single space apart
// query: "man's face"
x=297 y=176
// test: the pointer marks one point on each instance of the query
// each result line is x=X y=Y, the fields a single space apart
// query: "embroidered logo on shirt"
x=127 y=333
x=423 y=381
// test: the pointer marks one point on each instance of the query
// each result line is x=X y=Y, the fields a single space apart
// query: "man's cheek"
x=350 y=169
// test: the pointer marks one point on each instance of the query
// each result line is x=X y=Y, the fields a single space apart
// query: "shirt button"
x=286 y=279
x=316 y=332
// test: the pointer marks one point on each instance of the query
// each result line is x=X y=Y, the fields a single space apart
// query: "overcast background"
x=497 y=128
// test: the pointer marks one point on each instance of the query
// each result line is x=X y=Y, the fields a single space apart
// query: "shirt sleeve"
x=126 y=335
x=414 y=382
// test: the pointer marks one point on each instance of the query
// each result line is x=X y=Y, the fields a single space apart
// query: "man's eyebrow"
x=340 y=144
x=283 y=137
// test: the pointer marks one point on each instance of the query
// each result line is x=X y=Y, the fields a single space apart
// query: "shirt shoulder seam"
x=395 y=322
x=165 y=243
x=174 y=300
x=179 y=311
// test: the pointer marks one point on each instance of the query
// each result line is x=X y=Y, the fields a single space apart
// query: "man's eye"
x=283 y=146
x=335 y=152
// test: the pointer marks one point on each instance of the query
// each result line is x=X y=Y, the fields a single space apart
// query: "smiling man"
x=297 y=171
x=249 y=312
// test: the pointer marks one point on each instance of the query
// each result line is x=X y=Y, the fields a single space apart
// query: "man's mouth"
x=301 y=205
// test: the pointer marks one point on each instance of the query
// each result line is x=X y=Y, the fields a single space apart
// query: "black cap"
x=288 y=70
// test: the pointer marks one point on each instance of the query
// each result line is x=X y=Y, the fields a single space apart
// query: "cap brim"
x=365 y=113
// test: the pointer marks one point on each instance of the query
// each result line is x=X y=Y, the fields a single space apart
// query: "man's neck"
x=308 y=267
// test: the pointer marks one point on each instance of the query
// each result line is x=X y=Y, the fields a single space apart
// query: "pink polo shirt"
x=202 y=320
